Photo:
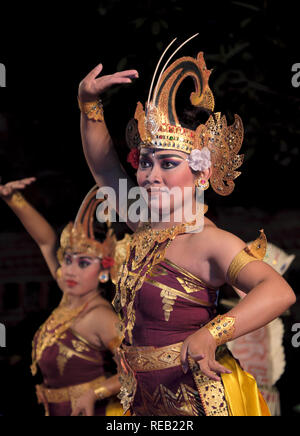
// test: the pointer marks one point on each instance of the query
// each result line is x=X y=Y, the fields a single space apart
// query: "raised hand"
x=201 y=347
x=10 y=188
x=91 y=87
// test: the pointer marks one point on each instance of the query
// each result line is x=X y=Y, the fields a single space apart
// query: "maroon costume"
x=71 y=362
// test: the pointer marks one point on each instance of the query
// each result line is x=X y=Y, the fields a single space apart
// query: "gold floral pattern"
x=164 y=402
x=211 y=392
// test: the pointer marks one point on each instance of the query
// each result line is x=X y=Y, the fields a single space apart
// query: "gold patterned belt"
x=66 y=394
x=143 y=359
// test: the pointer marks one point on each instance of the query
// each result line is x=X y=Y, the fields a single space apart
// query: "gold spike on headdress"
x=158 y=126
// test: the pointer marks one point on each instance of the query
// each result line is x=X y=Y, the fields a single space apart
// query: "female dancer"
x=174 y=360
x=73 y=348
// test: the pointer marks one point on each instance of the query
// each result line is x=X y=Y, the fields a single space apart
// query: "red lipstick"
x=71 y=283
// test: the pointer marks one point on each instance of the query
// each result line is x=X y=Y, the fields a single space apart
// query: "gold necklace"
x=58 y=322
x=147 y=248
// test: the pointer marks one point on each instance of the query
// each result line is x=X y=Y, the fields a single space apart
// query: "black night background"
x=49 y=47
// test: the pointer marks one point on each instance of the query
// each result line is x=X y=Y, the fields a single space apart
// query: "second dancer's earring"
x=103 y=277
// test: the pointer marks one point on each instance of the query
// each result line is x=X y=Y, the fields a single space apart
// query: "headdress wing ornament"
x=158 y=126
x=79 y=237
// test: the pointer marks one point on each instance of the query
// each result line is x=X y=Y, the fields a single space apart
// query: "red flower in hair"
x=134 y=157
x=107 y=262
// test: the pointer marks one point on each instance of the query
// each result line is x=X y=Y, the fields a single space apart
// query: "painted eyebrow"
x=79 y=257
x=164 y=156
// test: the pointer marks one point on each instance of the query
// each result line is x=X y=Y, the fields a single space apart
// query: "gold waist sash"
x=143 y=359
x=66 y=394
x=239 y=388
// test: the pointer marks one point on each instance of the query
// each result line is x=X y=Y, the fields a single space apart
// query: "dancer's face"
x=80 y=273
x=159 y=172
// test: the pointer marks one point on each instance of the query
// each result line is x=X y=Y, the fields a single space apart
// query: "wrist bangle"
x=92 y=109
x=221 y=328
x=16 y=200
x=102 y=392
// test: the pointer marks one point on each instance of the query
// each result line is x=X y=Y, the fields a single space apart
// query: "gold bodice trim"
x=66 y=353
x=85 y=341
x=189 y=274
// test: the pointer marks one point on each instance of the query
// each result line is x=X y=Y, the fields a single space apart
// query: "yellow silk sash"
x=242 y=395
x=114 y=408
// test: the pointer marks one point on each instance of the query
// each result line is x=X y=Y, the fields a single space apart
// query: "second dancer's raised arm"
x=36 y=225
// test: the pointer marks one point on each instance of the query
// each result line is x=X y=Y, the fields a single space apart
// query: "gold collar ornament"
x=56 y=325
x=158 y=127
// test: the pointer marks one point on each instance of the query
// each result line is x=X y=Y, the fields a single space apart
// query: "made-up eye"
x=83 y=263
x=145 y=163
x=68 y=259
x=169 y=164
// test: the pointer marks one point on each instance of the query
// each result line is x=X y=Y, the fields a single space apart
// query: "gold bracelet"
x=221 y=328
x=17 y=200
x=92 y=109
x=102 y=392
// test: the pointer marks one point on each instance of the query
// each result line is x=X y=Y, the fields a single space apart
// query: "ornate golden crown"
x=158 y=126
x=79 y=237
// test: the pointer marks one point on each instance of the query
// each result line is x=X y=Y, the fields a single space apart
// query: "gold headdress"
x=79 y=237
x=158 y=127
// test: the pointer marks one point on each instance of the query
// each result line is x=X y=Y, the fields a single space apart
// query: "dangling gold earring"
x=58 y=273
x=103 y=277
x=202 y=183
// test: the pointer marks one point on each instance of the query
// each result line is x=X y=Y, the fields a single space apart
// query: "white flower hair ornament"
x=199 y=160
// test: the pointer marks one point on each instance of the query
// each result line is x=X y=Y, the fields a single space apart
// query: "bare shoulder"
x=217 y=248
x=221 y=237
x=213 y=236
x=102 y=313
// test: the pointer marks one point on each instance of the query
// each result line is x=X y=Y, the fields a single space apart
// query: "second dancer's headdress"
x=79 y=237
x=158 y=127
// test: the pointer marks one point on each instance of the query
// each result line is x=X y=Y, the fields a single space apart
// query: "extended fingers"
x=24 y=182
x=94 y=73
x=76 y=412
x=217 y=367
x=131 y=74
x=183 y=357
x=211 y=368
x=205 y=368
x=29 y=180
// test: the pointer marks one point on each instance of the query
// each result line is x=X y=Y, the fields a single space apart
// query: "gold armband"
x=17 y=200
x=221 y=328
x=255 y=251
x=92 y=109
x=102 y=392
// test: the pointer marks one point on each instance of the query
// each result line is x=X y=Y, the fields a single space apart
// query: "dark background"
x=48 y=48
